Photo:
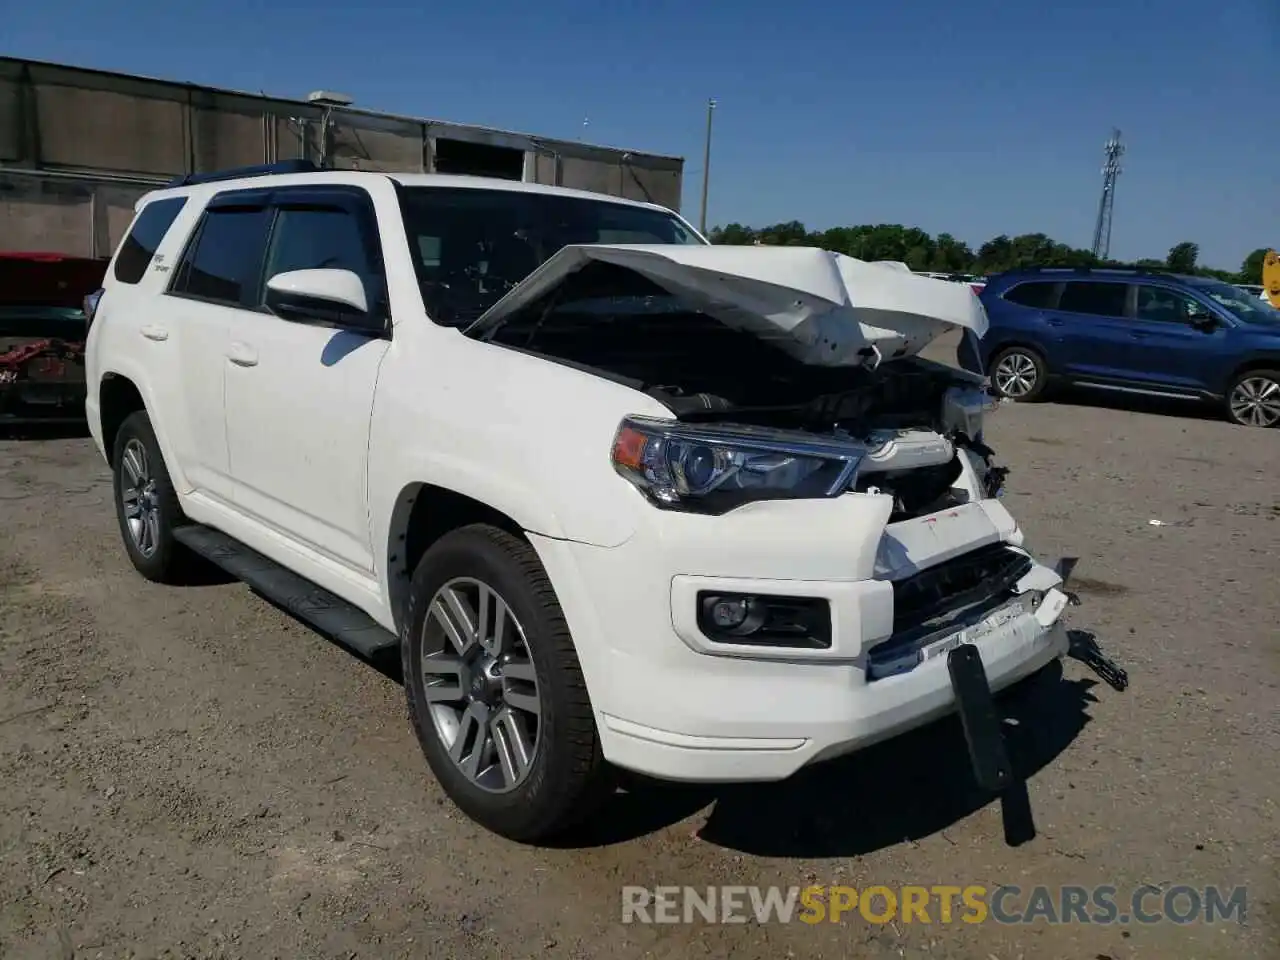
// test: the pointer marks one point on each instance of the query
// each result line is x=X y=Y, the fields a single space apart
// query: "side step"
x=322 y=610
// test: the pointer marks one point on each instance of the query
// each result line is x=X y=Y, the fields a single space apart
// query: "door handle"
x=155 y=333
x=242 y=355
x=1138 y=336
x=1054 y=322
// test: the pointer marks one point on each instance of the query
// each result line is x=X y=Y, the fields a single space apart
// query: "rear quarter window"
x=1038 y=294
x=144 y=237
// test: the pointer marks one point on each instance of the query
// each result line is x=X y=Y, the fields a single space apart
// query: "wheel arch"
x=423 y=513
x=118 y=397
x=1255 y=362
x=1024 y=343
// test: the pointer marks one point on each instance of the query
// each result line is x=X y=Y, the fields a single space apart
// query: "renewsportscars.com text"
x=937 y=904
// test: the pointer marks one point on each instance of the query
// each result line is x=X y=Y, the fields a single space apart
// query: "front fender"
x=522 y=435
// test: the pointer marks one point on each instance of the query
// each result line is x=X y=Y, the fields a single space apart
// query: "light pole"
x=706 y=168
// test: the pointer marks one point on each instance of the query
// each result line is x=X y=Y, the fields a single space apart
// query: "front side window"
x=144 y=238
x=224 y=263
x=473 y=245
x=320 y=239
x=1100 y=299
x=1165 y=305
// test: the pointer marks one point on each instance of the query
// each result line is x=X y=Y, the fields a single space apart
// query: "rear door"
x=1091 y=329
x=213 y=282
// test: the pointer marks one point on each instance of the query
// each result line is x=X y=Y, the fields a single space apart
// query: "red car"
x=42 y=332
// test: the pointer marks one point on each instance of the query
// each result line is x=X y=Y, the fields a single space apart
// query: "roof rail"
x=238 y=173
x=1100 y=269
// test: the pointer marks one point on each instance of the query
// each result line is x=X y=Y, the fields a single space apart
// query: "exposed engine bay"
x=916 y=416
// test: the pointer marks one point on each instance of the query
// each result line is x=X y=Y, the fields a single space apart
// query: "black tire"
x=568 y=776
x=1241 y=383
x=168 y=561
x=1023 y=356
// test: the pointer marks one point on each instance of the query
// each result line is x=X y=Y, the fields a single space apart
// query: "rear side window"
x=1038 y=294
x=144 y=238
x=1093 y=297
x=224 y=262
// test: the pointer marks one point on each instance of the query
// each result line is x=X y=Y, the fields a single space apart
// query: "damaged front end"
x=795 y=375
x=797 y=354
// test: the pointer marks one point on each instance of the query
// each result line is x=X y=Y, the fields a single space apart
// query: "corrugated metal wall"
x=78 y=147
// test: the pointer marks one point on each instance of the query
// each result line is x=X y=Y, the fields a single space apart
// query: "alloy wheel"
x=139 y=499
x=480 y=684
x=1016 y=375
x=1255 y=401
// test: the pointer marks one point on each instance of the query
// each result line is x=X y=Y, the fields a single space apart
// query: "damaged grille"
x=938 y=600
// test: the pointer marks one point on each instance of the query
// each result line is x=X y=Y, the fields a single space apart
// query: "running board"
x=325 y=612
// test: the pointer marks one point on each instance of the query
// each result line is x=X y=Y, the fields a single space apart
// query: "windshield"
x=472 y=245
x=1242 y=304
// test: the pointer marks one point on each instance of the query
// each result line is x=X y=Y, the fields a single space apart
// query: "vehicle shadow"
x=1135 y=403
x=904 y=789
x=35 y=431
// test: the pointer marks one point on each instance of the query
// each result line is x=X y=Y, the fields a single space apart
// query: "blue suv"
x=1132 y=331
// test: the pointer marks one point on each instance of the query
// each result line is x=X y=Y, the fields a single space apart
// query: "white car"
x=621 y=499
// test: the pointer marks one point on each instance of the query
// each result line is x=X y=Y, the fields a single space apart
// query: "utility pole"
x=706 y=168
x=1113 y=150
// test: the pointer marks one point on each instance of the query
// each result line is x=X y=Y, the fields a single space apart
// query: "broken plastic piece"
x=1084 y=647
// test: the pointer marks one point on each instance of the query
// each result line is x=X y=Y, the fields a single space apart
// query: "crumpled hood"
x=822 y=308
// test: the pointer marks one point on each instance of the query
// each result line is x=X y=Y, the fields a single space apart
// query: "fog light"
x=729 y=613
x=759 y=620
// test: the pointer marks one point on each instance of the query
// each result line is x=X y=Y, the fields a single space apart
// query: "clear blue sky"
x=976 y=118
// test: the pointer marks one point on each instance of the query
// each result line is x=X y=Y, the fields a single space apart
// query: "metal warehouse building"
x=79 y=147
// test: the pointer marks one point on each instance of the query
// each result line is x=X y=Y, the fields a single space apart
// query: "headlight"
x=711 y=469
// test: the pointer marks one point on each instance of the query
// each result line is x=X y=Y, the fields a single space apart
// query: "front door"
x=299 y=397
x=1165 y=350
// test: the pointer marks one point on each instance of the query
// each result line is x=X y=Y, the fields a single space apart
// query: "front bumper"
x=669 y=705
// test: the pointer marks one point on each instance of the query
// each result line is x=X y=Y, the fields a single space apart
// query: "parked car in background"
x=1130 y=331
x=42 y=334
x=1254 y=289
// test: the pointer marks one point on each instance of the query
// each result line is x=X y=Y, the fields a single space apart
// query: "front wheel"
x=495 y=691
x=1253 y=399
x=1019 y=373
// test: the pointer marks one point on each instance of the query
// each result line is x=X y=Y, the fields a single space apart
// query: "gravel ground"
x=187 y=772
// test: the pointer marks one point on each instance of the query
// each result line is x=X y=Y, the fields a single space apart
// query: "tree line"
x=945 y=254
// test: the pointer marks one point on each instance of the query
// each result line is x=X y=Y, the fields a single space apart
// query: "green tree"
x=950 y=255
x=733 y=235
x=1182 y=257
x=789 y=234
x=944 y=253
x=1251 y=269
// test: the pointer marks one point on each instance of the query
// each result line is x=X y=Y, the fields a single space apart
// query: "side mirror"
x=327 y=297
x=1204 y=322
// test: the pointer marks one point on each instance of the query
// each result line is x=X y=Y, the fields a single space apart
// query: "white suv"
x=620 y=498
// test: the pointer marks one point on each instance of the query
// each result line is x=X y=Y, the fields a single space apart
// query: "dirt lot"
x=190 y=773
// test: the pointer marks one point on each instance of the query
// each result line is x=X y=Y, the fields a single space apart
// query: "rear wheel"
x=495 y=690
x=1019 y=373
x=146 y=503
x=1253 y=399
